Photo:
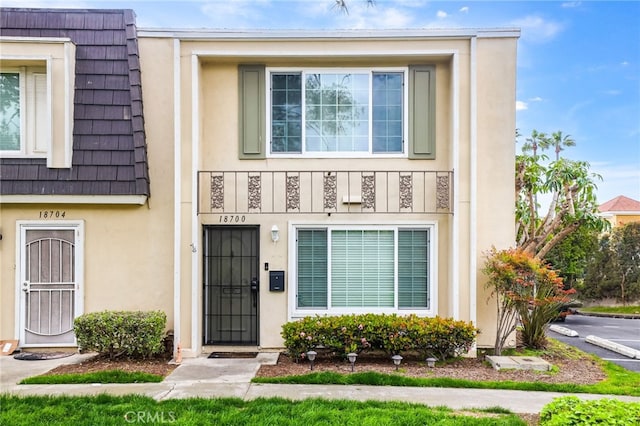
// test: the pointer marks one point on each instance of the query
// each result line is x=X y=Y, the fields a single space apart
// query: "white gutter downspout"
x=473 y=208
x=455 y=231
x=177 y=198
x=195 y=157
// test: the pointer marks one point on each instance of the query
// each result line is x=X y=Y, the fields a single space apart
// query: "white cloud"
x=571 y=4
x=464 y=9
x=441 y=14
x=520 y=106
x=537 y=29
x=536 y=99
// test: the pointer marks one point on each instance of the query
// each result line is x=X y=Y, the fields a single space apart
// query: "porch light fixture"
x=311 y=355
x=352 y=359
x=275 y=233
x=397 y=359
x=431 y=362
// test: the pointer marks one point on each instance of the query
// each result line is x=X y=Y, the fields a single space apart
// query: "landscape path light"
x=431 y=362
x=397 y=359
x=312 y=357
x=352 y=359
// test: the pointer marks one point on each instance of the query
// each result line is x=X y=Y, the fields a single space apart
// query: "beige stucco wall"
x=124 y=257
x=128 y=249
x=496 y=152
x=623 y=219
x=214 y=92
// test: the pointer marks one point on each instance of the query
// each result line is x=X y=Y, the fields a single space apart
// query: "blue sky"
x=578 y=61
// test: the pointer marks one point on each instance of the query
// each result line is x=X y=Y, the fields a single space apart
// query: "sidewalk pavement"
x=221 y=378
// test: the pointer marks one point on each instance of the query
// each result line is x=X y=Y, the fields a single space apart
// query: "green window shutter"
x=413 y=268
x=312 y=268
x=422 y=135
x=252 y=111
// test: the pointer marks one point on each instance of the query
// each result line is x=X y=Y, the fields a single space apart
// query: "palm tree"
x=538 y=140
x=342 y=5
x=560 y=142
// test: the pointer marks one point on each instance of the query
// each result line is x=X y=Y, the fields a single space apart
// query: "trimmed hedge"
x=570 y=410
x=439 y=337
x=135 y=334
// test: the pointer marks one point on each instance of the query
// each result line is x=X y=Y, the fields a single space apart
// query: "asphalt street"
x=619 y=330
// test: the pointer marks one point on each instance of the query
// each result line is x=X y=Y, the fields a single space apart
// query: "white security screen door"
x=50 y=280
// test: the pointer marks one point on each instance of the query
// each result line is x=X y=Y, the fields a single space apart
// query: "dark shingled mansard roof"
x=109 y=148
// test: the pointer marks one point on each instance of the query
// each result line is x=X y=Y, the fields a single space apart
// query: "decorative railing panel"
x=307 y=192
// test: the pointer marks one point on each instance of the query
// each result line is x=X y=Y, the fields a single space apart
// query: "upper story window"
x=37 y=86
x=337 y=112
x=24 y=116
x=343 y=112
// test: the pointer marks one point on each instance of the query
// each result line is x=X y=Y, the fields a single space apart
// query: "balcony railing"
x=308 y=192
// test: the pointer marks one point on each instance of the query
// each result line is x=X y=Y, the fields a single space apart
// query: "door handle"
x=25 y=287
x=254 y=285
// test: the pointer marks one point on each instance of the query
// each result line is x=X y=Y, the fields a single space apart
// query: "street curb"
x=612 y=346
x=606 y=315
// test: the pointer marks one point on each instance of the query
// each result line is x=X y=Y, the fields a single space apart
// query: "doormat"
x=233 y=355
x=41 y=356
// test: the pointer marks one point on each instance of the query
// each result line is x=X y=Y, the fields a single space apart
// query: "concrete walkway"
x=218 y=378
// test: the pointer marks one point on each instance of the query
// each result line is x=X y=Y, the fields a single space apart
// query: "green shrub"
x=117 y=333
x=393 y=334
x=524 y=287
x=569 y=410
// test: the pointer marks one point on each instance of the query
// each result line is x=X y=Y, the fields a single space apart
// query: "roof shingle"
x=108 y=105
x=620 y=204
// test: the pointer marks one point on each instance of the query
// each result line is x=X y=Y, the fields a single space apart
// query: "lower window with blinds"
x=346 y=269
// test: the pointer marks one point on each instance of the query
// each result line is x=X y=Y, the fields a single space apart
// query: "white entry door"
x=50 y=283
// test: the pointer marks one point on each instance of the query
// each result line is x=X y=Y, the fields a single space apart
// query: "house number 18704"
x=52 y=214
x=232 y=219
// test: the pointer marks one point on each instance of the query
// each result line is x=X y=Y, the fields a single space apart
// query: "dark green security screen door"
x=231 y=285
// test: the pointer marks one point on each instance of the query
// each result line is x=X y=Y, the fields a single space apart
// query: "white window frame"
x=35 y=135
x=296 y=313
x=339 y=154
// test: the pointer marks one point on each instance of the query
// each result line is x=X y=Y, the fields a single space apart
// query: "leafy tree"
x=571 y=256
x=599 y=281
x=524 y=287
x=614 y=269
x=627 y=246
x=570 y=186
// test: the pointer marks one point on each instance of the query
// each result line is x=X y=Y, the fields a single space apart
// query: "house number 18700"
x=232 y=219
x=52 y=214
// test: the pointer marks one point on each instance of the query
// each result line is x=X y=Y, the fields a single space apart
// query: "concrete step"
x=518 y=363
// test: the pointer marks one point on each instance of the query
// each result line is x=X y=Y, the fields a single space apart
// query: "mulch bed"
x=158 y=366
x=582 y=371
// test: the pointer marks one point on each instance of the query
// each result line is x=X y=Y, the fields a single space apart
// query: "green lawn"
x=110 y=376
x=632 y=309
x=133 y=409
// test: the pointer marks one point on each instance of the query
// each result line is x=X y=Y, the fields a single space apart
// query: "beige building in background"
x=295 y=173
x=620 y=210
